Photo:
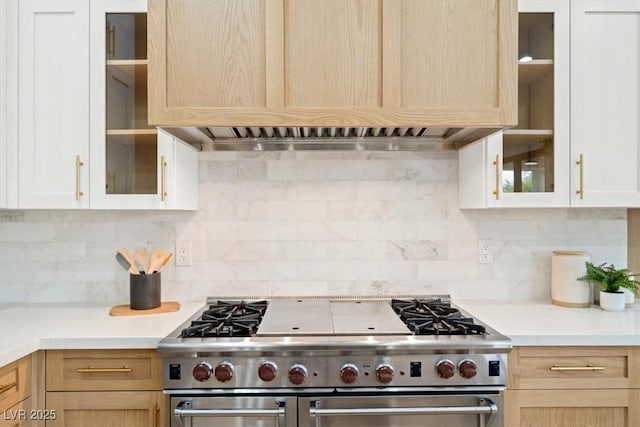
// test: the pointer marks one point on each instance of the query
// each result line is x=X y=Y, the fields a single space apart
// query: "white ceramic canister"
x=566 y=290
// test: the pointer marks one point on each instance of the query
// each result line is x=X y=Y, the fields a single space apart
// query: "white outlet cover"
x=485 y=254
x=183 y=253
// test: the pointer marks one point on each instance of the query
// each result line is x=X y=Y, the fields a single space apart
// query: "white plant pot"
x=611 y=301
x=566 y=290
x=630 y=298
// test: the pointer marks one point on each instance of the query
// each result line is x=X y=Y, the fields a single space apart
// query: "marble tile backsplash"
x=290 y=223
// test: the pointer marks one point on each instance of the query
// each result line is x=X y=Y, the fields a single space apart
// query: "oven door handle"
x=183 y=410
x=482 y=410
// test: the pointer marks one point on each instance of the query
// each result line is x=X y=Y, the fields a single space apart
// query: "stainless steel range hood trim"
x=329 y=139
x=320 y=144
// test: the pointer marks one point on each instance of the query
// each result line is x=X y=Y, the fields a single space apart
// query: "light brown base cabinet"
x=106 y=409
x=18 y=415
x=19 y=392
x=104 y=388
x=573 y=386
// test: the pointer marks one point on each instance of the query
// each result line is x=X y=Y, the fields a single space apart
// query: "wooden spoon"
x=142 y=259
x=158 y=255
x=126 y=261
x=165 y=261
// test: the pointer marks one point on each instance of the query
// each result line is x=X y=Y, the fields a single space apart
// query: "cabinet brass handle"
x=91 y=370
x=111 y=33
x=580 y=190
x=163 y=175
x=496 y=163
x=589 y=367
x=154 y=418
x=79 y=165
x=7 y=387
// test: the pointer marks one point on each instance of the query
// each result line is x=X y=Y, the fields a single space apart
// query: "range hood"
x=328 y=138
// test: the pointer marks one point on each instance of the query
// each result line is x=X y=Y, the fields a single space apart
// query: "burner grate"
x=228 y=319
x=435 y=317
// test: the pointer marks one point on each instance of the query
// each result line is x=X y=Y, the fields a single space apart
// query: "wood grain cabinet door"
x=98 y=370
x=457 y=57
x=221 y=56
x=572 y=408
x=19 y=415
x=332 y=63
x=106 y=409
x=596 y=386
x=15 y=383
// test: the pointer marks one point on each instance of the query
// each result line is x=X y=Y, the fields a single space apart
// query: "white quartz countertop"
x=530 y=323
x=27 y=328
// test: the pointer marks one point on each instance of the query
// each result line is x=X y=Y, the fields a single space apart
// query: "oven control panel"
x=335 y=371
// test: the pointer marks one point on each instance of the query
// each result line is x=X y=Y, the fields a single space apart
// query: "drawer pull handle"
x=91 y=370
x=580 y=191
x=496 y=163
x=589 y=367
x=156 y=409
x=7 y=387
x=163 y=179
x=79 y=165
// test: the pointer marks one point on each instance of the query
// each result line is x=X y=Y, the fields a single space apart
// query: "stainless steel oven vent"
x=326 y=138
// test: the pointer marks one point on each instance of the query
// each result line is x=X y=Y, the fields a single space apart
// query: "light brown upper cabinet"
x=444 y=63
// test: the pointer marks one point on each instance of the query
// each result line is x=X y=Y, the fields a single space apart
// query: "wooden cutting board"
x=126 y=310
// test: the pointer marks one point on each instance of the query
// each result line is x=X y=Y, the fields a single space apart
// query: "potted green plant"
x=611 y=280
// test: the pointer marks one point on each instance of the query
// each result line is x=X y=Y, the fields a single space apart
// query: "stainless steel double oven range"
x=334 y=362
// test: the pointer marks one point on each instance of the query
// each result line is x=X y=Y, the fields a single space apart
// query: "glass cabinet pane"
x=131 y=156
x=528 y=149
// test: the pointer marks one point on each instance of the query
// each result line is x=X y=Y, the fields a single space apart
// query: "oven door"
x=236 y=411
x=402 y=410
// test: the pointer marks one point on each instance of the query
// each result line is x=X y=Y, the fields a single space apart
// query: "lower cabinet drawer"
x=19 y=415
x=77 y=370
x=15 y=382
x=593 y=408
x=574 y=367
x=106 y=409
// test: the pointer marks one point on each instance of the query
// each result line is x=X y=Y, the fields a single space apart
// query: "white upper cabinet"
x=53 y=111
x=178 y=173
x=73 y=115
x=605 y=103
x=527 y=166
x=591 y=126
x=132 y=166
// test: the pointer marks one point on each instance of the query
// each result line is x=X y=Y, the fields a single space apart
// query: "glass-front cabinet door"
x=531 y=161
x=528 y=165
x=131 y=151
x=126 y=160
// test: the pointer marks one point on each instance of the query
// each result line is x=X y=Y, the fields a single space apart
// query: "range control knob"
x=267 y=371
x=348 y=373
x=468 y=368
x=223 y=372
x=384 y=374
x=445 y=369
x=202 y=371
x=297 y=374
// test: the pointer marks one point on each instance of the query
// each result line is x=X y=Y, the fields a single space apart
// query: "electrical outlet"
x=485 y=256
x=183 y=253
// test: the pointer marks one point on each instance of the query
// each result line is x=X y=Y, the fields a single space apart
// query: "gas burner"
x=227 y=319
x=435 y=317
